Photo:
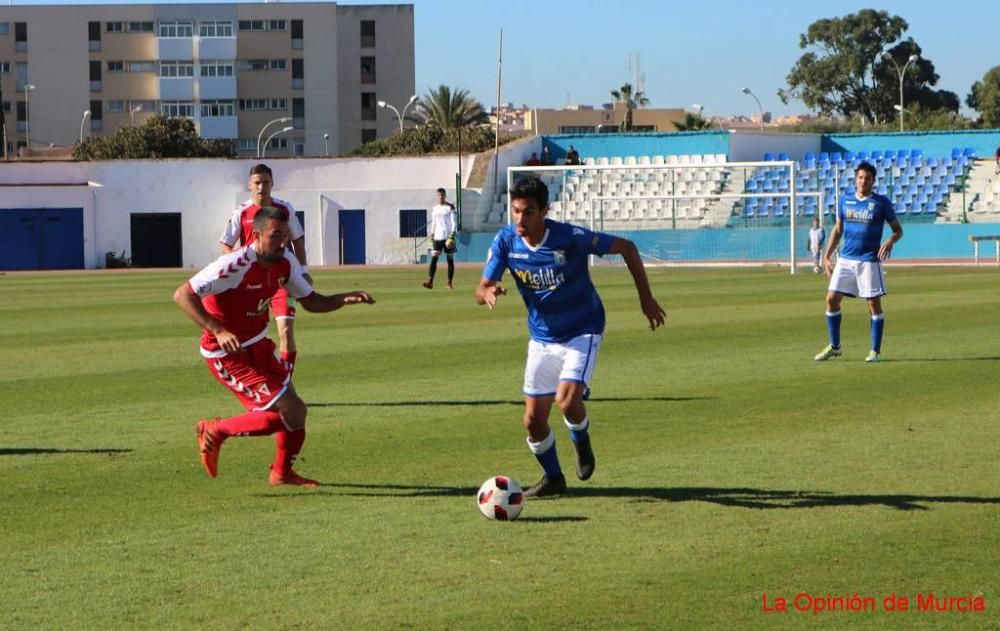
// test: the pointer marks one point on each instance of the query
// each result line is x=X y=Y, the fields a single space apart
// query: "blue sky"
x=558 y=52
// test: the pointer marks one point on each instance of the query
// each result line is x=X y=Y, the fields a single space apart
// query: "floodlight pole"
x=261 y=134
x=268 y=141
x=900 y=74
x=749 y=92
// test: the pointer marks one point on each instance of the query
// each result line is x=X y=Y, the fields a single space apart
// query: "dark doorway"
x=156 y=240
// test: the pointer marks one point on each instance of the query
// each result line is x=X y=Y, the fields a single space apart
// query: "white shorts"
x=548 y=364
x=861 y=279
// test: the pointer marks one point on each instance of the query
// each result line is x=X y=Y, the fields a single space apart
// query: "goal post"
x=704 y=213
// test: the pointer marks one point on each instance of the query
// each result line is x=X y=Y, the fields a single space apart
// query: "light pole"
x=413 y=99
x=131 y=113
x=27 y=115
x=749 y=92
x=326 y=145
x=901 y=74
x=268 y=141
x=86 y=113
x=261 y=134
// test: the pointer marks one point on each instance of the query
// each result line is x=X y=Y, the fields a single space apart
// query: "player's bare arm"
x=319 y=303
x=838 y=231
x=650 y=308
x=226 y=249
x=885 y=250
x=488 y=292
x=190 y=303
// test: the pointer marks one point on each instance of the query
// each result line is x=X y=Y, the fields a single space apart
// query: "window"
x=22 y=111
x=96 y=110
x=144 y=106
x=275 y=25
x=278 y=143
x=95 y=71
x=177 y=109
x=299 y=113
x=248 y=144
x=298 y=74
x=141 y=66
x=116 y=66
x=172 y=69
x=94 y=31
x=114 y=27
x=213 y=109
x=4 y=28
x=263 y=25
x=177 y=28
x=215 y=29
x=4 y=67
x=140 y=27
x=367 y=70
x=252 y=65
x=368 y=135
x=297 y=34
x=212 y=68
x=249 y=105
x=278 y=64
x=367 y=33
x=368 y=104
x=20 y=31
x=115 y=106
x=413 y=223
x=299 y=148
x=577 y=129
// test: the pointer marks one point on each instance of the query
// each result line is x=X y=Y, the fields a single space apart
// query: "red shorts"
x=283 y=305
x=254 y=375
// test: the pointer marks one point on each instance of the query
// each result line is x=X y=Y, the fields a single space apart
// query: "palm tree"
x=632 y=100
x=692 y=122
x=448 y=108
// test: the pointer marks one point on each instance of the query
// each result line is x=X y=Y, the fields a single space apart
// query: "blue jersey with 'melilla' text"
x=863 y=221
x=553 y=278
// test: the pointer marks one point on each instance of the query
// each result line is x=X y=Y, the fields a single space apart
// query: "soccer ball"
x=500 y=498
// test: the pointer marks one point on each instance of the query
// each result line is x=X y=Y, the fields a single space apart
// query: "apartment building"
x=239 y=71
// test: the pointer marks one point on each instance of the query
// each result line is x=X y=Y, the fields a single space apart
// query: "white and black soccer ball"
x=500 y=498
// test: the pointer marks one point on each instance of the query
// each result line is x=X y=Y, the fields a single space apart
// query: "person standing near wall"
x=443 y=228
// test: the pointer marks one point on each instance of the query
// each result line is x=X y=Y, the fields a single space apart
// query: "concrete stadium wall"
x=920 y=242
x=651 y=144
x=206 y=191
x=932 y=143
x=751 y=147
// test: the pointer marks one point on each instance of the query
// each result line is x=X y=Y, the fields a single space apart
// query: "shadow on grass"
x=734 y=497
x=943 y=359
x=355 y=404
x=774 y=498
x=33 y=451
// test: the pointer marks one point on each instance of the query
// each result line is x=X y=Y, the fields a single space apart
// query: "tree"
x=425 y=139
x=159 y=137
x=692 y=122
x=447 y=108
x=624 y=95
x=848 y=74
x=985 y=98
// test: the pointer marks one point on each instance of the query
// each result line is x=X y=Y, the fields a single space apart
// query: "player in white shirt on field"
x=443 y=227
x=816 y=238
x=861 y=219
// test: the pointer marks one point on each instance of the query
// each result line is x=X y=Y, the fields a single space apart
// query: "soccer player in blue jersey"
x=548 y=261
x=860 y=221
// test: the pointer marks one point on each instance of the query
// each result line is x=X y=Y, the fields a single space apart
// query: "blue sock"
x=545 y=453
x=878 y=326
x=833 y=326
x=578 y=431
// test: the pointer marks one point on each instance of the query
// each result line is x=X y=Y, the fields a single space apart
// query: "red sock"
x=251 y=424
x=289 y=444
x=288 y=360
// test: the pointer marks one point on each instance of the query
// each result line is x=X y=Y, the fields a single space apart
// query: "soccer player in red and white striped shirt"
x=238 y=234
x=229 y=300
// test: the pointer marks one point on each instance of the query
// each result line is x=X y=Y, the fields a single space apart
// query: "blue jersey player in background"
x=548 y=261
x=861 y=219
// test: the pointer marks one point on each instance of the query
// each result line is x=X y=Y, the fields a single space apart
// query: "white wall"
x=206 y=191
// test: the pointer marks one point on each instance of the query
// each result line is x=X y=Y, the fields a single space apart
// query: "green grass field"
x=730 y=465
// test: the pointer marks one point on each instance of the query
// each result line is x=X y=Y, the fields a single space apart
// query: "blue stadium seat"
x=783 y=156
x=956 y=153
x=916 y=154
x=836 y=156
x=876 y=156
x=824 y=156
x=810 y=155
x=889 y=154
x=849 y=156
x=768 y=157
x=969 y=152
x=862 y=156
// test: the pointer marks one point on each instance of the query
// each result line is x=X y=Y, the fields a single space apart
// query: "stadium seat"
x=768 y=157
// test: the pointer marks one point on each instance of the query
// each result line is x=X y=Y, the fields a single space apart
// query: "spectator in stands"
x=816 y=238
x=572 y=157
x=533 y=161
x=547 y=157
x=861 y=219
